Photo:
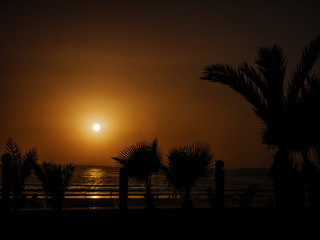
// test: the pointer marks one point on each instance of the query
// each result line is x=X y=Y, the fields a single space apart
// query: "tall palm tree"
x=21 y=167
x=55 y=180
x=186 y=165
x=289 y=119
x=142 y=160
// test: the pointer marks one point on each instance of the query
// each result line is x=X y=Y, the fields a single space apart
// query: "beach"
x=97 y=187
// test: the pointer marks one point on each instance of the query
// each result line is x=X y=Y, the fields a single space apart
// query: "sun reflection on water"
x=95 y=197
x=95 y=172
x=95 y=177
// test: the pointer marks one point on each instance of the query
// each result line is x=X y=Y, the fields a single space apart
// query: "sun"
x=96 y=127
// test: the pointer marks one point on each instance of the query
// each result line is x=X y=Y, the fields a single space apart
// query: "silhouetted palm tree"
x=21 y=167
x=185 y=166
x=55 y=180
x=287 y=109
x=142 y=160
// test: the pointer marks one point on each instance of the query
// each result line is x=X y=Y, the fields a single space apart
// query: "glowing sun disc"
x=96 y=127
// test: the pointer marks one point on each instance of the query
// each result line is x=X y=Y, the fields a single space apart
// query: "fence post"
x=123 y=189
x=6 y=181
x=219 y=181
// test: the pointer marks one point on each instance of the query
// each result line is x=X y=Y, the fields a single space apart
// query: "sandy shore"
x=75 y=203
x=85 y=203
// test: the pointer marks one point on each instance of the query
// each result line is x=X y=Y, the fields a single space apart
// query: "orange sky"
x=134 y=67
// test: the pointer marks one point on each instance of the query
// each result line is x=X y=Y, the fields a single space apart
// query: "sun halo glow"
x=96 y=127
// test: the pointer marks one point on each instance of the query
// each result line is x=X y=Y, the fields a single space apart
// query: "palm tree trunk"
x=149 y=197
x=311 y=177
x=187 y=203
x=284 y=176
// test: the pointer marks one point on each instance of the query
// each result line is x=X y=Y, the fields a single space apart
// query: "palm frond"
x=141 y=159
x=271 y=63
x=55 y=178
x=120 y=161
x=310 y=55
x=28 y=161
x=43 y=171
x=125 y=156
x=251 y=73
x=187 y=163
x=15 y=151
x=236 y=79
x=22 y=165
x=67 y=174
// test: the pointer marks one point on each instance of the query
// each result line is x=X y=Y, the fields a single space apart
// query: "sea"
x=243 y=187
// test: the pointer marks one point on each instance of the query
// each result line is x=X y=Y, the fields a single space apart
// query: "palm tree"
x=142 y=160
x=289 y=119
x=21 y=167
x=311 y=170
x=185 y=166
x=55 y=180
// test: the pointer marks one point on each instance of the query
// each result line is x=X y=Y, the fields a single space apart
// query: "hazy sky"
x=134 y=67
